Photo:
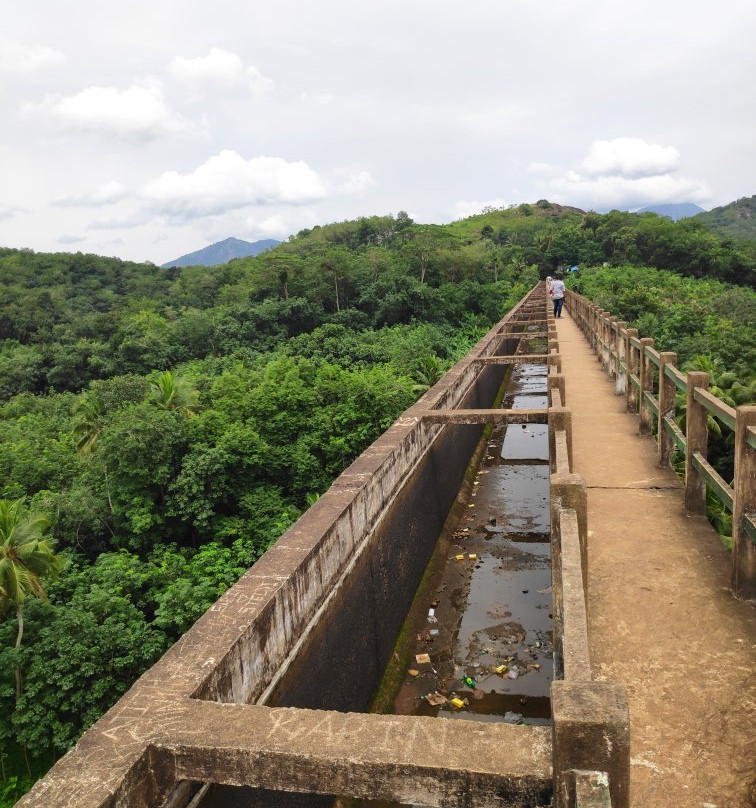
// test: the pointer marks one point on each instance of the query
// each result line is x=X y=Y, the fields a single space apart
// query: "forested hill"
x=170 y=423
x=66 y=320
x=735 y=222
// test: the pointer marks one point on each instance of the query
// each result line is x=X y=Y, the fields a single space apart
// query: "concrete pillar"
x=556 y=381
x=667 y=394
x=620 y=380
x=646 y=377
x=631 y=393
x=568 y=491
x=744 y=501
x=591 y=730
x=560 y=418
x=696 y=439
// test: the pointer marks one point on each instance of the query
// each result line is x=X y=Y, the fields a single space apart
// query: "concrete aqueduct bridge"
x=270 y=688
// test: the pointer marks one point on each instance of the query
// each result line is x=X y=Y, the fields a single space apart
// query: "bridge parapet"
x=590 y=720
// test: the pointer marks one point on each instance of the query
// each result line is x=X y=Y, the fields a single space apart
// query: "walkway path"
x=662 y=619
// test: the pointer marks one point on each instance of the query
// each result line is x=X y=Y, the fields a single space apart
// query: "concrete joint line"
x=634 y=487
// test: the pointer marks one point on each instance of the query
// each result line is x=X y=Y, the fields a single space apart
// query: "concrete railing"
x=266 y=689
x=590 y=720
x=650 y=380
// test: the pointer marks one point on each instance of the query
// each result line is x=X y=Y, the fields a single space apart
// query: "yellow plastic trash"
x=458 y=703
x=460 y=557
x=472 y=557
x=502 y=669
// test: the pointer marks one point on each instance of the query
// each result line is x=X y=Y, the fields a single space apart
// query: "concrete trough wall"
x=347 y=571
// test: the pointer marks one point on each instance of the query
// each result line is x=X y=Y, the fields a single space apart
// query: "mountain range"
x=222 y=252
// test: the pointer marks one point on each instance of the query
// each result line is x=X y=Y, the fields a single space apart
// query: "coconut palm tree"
x=427 y=371
x=26 y=556
x=88 y=423
x=173 y=392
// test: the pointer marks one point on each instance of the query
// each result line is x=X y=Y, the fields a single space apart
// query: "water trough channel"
x=477 y=640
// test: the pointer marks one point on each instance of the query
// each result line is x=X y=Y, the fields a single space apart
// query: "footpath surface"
x=662 y=619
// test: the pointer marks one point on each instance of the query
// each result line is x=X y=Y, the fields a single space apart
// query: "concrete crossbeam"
x=523 y=416
x=513 y=360
x=405 y=759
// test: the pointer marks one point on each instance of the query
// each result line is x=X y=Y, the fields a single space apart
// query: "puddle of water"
x=526 y=442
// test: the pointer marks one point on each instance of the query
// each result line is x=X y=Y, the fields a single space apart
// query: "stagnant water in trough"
x=487 y=630
x=488 y=615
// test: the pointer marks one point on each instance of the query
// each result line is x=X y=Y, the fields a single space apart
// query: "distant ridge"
x=222 y=252
x=736 y=221
x=674 y=211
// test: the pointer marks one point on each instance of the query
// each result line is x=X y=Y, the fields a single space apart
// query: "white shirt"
x=557 y=288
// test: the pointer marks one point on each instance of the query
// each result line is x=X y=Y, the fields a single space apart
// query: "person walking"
x=557 y=293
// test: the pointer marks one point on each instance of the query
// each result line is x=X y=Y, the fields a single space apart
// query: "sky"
x=147 y=130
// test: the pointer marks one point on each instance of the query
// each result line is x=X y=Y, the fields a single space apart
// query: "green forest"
x=161 y=427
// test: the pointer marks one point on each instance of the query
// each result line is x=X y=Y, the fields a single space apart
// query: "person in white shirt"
x=557 y=293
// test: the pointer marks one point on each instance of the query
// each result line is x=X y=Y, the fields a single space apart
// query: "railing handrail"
x=650 y=379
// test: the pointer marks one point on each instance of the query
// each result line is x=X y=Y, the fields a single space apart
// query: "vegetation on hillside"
x=166 y=425
x=734 y=223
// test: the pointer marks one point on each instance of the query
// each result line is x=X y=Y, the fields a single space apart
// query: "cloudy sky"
x=147 y=130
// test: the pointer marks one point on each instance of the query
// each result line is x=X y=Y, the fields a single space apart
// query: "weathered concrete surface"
x=428 y=761
x=662 y=619
x=591 y=731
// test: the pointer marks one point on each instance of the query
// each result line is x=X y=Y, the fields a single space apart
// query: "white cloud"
x=16 y=58
x=276 y=226
x=629 y=157
x=627 y=193
x=221 y=68
x=626 y=173
x=356 y=182
x=106 y=194
x=541 y=168
x=318 y=98
x=139 y=112
x=9 y=212
x=227 y=181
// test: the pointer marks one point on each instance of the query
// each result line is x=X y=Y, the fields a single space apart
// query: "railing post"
x=744 y=501
x=696 y=440
x=596 y=342
x=612 y=349
x=602 y=354
x=646 y=377
x=620 y=379
x=631 y=393
x=667 y=394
